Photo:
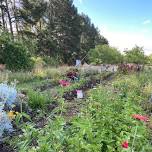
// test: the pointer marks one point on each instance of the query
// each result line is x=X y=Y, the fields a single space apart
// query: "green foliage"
x=32 y=11
x=107 y=120
x=53 y=61
x=51 y=28
x=20 y=77
x=149 y=59
x=103 y=124
x=14 y=54
x=90 y=36
x=59 y=30
x=49 y=139
x=135 y=55
x=105 y=54
x=38 y=100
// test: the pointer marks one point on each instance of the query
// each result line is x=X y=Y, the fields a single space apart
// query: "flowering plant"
x=64 y=83
x=5 y=123
x=8 y=95
x=140 y=117
x=125 y=144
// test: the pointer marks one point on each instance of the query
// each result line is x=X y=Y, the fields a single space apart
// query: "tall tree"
x=31 y=13
x=8 y=11
x=55 y=26
x=135 y=55
x=90 y=36
x=2 y=7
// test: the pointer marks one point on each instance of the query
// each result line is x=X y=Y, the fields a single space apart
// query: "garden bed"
x=102 y=120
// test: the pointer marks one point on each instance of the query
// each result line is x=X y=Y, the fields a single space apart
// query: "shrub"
x=136 y=55
x=52 y=61
x=8 y=95
x=105 y=54
x=15 y=55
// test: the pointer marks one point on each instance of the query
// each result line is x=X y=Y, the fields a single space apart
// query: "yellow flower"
x=11 y=115
x=16 y=113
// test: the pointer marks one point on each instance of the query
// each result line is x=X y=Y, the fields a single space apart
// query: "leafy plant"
x=15 y=55
x=106 y=121
x=37 y=100
x=8 y=95
x=135 y=55
x=105 y=54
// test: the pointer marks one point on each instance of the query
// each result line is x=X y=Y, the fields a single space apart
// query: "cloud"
x=146 y=22
x=123 y=40
x=81 y=1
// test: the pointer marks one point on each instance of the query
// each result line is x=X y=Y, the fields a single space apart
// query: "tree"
x=2 y=7
x=9 y=16
x=55 y=26
x=149 y=59
x=90 y=36
x=67 y=31
x=105 y=54
x=31 y=13
x=135 y=55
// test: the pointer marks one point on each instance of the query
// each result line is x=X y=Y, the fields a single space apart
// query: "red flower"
x=125 y=144
x=64 y=83
x=140 y=117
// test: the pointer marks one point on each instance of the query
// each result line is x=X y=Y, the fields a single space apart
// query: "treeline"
x=104 y=54
x=52 y=29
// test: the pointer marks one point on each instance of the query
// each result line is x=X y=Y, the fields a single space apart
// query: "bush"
x=53 y=61
x=105 y=54
x=136 y=55
x=15 y=55
x=8 y=95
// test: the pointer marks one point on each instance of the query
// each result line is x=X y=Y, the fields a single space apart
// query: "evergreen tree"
x=55 y=26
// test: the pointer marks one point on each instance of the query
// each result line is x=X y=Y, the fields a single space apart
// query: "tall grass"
x=38 y=100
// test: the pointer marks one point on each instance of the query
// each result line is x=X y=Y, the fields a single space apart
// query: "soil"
x=73 y=106
x=40 y=122
x=6 y=148
x=52 y=106
x=72 y=109
x=73 y=94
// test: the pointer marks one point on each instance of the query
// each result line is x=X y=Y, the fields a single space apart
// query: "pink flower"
x=64 y=83
x=125 y=144
x=140 y=117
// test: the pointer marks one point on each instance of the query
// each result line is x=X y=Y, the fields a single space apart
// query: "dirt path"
x=74 y=105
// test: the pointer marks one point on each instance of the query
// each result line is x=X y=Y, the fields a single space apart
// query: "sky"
x=125 y=23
